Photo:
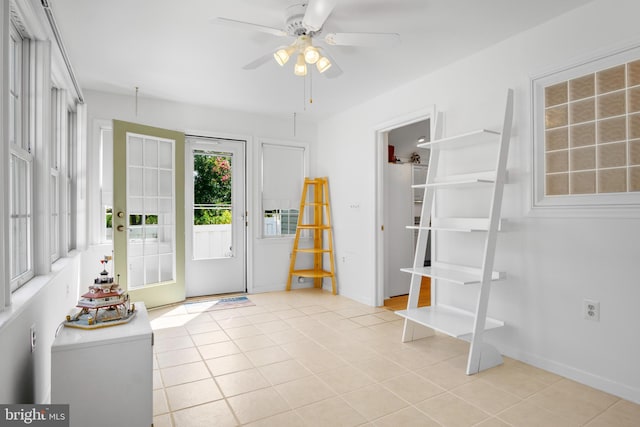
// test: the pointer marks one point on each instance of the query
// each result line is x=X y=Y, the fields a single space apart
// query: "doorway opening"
x=401 y=164
x=215 y=216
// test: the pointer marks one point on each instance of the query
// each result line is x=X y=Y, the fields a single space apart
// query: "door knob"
x=120 y=228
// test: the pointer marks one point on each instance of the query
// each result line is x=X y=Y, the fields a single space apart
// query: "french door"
x=215 y=216
x=148 y=219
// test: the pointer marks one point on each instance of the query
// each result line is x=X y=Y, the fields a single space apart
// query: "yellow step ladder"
x=315 y=215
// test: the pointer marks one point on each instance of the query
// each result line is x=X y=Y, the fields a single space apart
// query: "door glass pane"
x=150 y=217
x=212 y=204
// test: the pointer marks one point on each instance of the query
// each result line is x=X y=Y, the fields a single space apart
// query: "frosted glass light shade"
x=311 y=55
x=281 y=56
x=323 y=64
x=300 y=68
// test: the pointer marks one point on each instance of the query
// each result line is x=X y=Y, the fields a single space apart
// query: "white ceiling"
x=171 y=49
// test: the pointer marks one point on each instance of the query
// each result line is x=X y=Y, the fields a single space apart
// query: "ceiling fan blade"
x=363 y=39
x=258 y=62
x=317 y=13
x=249 y=26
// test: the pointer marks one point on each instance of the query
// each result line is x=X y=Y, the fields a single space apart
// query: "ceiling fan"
x=305 y=21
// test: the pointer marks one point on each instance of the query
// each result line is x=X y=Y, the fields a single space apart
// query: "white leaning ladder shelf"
x=458 y=323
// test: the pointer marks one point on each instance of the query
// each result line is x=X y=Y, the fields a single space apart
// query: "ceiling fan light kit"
x=305 y=21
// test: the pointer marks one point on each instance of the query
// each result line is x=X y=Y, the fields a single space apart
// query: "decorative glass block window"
x=587 y=134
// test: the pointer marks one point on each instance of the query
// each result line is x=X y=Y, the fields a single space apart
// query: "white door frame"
x=427 y=113
x=247 y=142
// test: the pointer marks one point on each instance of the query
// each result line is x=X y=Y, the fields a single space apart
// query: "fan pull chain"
x=311 y=87
x=137 y=88
x=294 y=124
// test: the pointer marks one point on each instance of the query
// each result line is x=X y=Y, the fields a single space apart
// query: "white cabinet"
x=105 y=374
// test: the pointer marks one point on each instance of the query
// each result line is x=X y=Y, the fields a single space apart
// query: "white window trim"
x=260 y=213
x=585 y=205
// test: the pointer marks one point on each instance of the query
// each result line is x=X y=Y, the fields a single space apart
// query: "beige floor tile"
x=485 y=396
x=573 y=401
x=230 y=322
x=170 y=332
x=163 y=420
x=258 y=404
x=451 y=411
x=513 y=379
x=167 y=322
x=374 y=401
x=184 y=373
x=215 y=413
x=345 y=379
x=408 y=417
x=537 y=373
x=445 y=375
x=160 y=405
x=225 y=348
x=241 y=382
x=288 y=314
x=410 y=359
x=157 y=379
x=285 y=371
x=174 y=343
x=273 y=326
x=178 y=357
x=259 y=318
x=227 y=364
x=413 y=388
x=285 y=419
x=203 y=327
x=209 y=337
x=192 y=394
x=321 y=361
x=333 y=412
x=254 y=343
x=621 y=414
x=287 y=336
x=367 y=320
x=243 y=331
x=268 y=355
x=312 y=309
x=352 y=351
x=492 y=422
x=304 y=391
x=380 y=368
x=526 y=414
x=300 y=348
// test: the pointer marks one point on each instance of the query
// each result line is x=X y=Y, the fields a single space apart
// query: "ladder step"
x=312 y=273
x=449 y=320
x=312 y=250
x=460 y=274
x=464 y=140
x=314 y=227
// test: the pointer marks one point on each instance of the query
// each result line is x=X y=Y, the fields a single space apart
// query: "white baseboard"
x=621 y=390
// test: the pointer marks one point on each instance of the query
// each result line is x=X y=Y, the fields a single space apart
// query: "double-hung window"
x=283 y=173
x=21 y=164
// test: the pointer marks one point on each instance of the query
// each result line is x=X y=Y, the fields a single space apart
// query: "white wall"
x=26 y=376
x=552 y=263
x=268 y=263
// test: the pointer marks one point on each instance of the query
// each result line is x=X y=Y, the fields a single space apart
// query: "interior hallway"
x=309 y=358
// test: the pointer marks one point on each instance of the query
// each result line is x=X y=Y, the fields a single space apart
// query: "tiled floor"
x=308 y=358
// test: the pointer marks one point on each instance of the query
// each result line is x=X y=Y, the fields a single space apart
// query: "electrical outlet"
x=32 y=337
x=591 y=310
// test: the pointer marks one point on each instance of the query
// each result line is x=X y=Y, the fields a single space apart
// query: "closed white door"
x=215 y=216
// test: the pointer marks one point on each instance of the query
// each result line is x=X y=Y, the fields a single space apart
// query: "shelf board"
x=449 y=320
x=462 y=180
x=465 y=225
x=312 y=273
x=462 y=275
x=464 y=140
